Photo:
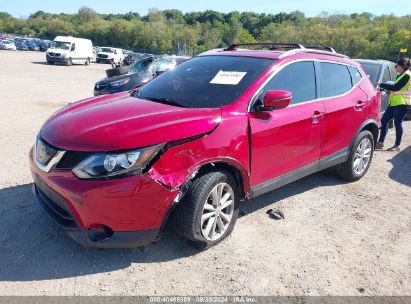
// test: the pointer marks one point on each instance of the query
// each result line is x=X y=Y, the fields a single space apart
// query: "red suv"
x=225 y=126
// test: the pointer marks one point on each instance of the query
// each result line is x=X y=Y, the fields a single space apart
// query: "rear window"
x=372 y=71
x=335 y=79
x=206 y=81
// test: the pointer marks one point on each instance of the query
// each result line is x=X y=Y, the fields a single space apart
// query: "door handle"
x=360 y=104
x=317 y=116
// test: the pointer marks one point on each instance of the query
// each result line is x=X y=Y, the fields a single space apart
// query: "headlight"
x=63 y=55
x=104 y=165
x=120 y=82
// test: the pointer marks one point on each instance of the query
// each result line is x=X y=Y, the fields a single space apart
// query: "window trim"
x=317 y=80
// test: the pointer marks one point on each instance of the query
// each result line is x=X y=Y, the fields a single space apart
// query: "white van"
x=110 y=55
x=69 y=50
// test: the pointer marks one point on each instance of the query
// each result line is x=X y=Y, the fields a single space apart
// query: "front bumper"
x=56 y=59
x=104 y=60
x=134 y=208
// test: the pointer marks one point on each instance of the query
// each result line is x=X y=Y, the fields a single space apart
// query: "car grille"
x=100 y=86
x=102 y=56
x=54 y=54
x=71 y=159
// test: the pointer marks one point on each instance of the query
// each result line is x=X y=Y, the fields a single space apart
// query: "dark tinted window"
x=355 y=75
x=393 y=72
x=386 y=75
x=335 y=79
x=298 y=78
x=206 y=81
x=372 y=70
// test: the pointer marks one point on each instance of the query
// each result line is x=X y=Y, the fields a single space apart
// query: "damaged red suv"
x=225 y=126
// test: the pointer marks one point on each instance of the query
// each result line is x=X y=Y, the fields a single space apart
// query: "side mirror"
x=277 y=99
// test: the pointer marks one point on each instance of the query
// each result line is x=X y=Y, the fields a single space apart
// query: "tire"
x=188 y=214
x=87 y=61
x=116 y=71
x=359 y=159
x=97 y=61
x=69 y=62
x=50 y=62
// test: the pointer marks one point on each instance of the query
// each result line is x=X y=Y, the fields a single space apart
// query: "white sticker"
x=228 y=77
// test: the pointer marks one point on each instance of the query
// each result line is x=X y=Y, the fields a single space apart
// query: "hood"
x=120 y=121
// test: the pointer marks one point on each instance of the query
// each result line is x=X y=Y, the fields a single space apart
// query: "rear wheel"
x=360 y=158
x=209 y=210
x=87 y=61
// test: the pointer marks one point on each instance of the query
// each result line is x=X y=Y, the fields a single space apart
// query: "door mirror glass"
x=276 y=99
x=73 y=47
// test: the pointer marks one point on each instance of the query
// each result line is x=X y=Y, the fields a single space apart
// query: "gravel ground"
x=337 y=238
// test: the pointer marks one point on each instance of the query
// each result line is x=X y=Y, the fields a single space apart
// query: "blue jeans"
x=398 y=113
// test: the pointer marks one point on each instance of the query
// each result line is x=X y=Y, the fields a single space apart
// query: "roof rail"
x=313 y=51
x=291 y=48
x=322 y=48
x=274 y=46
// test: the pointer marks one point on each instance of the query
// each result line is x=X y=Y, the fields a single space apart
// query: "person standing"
x=400 y=99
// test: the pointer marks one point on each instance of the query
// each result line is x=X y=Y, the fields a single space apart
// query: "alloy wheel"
x=217 y=212
x=362 y=156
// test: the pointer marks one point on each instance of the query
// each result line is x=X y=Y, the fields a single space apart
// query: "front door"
x=288 y=139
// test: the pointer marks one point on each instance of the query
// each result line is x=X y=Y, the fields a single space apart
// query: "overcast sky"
x=23 y=8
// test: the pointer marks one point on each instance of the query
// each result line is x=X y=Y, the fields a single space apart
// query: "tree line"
x=170 y=31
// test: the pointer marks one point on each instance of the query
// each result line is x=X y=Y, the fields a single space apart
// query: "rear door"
x=288 y=139
x=345 y=106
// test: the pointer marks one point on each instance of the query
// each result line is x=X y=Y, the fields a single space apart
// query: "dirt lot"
x=336 y=239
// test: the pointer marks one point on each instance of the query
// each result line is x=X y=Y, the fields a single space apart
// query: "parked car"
x=109 y=55
x=380 y=71
x=69 y=50
x=33 y=46
x=22 y=46
x=189 y=145
x=139 y=73
x=8 y=45
x=42 y=44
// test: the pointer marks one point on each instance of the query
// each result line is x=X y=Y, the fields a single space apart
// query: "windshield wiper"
x=163 y=100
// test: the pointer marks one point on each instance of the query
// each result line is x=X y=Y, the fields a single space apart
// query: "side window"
x=335 y=79
x=386 y=74
x=355 y=75
x=73 y=47
x=298 y=78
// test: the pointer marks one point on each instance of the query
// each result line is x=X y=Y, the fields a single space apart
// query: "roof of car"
x=279 y=51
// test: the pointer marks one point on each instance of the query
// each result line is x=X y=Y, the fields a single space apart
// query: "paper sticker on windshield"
x=228 y=77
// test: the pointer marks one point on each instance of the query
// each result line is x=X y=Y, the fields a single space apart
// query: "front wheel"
x=359 y=159
x=69 y=62
x=209 y=210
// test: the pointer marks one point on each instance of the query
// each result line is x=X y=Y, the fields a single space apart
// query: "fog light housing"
x=99 y=232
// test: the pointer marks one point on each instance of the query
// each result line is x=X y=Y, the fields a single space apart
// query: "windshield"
x=60 y=45
x=206 y=81
x=141 y=65
x=106 y=50
x=372 y=71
